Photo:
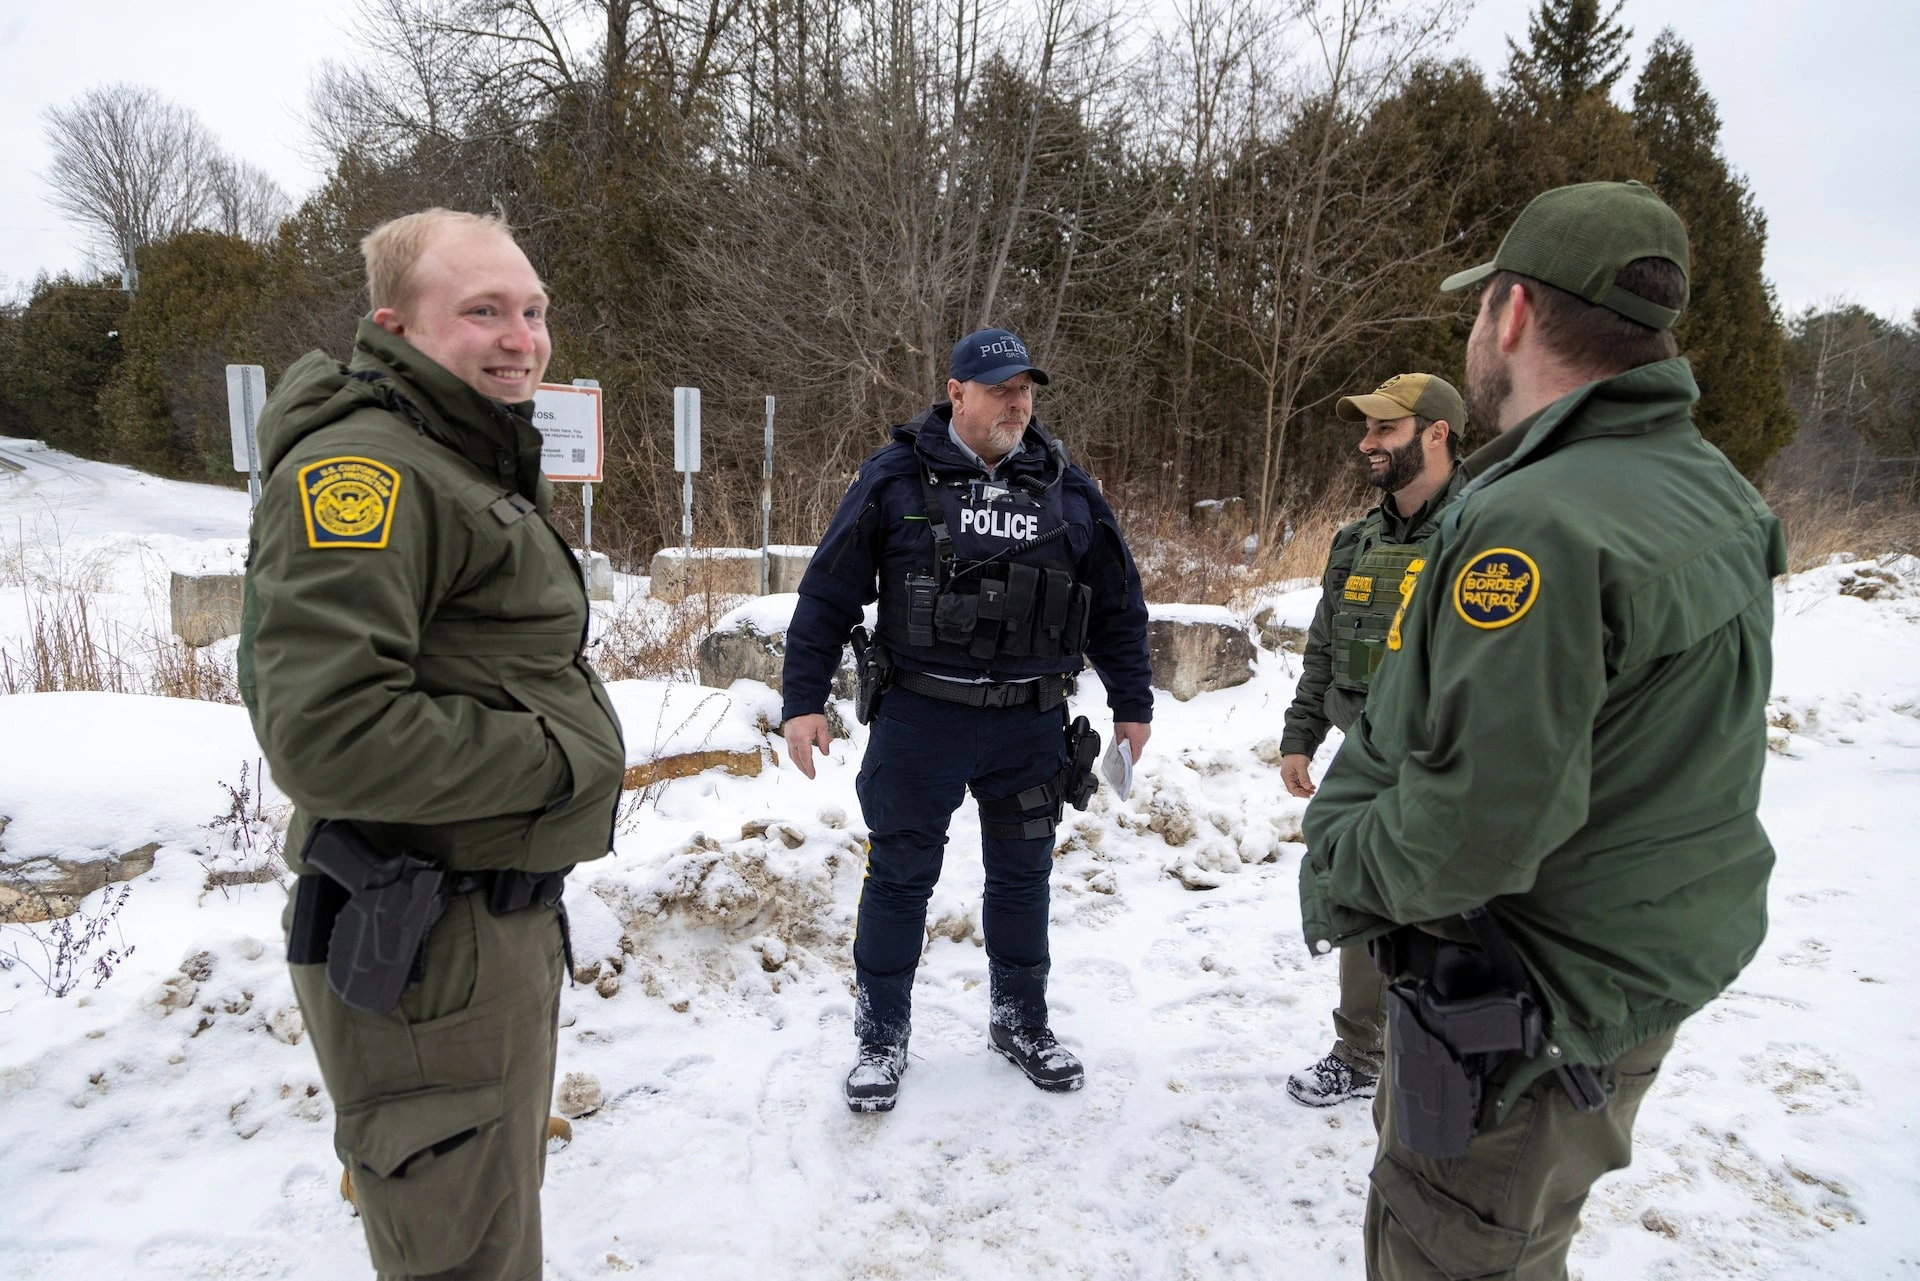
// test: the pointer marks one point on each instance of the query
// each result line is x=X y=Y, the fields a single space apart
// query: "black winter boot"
x=1047 y=1063
x=875 y=1080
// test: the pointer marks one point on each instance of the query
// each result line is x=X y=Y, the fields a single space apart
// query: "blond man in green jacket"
x=1546 y=820
x=411 y=657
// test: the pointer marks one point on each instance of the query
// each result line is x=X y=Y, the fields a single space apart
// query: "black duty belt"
x=512 y=890
x=1048 y=691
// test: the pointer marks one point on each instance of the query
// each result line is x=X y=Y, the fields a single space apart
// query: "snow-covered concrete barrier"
x=46 y=889
x=731 y=571
x=750 y=643
x=205 y=607
x=1197 y=648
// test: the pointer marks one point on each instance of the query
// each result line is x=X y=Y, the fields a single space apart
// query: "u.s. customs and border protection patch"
x=1497 y=588
x=1414 y=567
x=348 y=502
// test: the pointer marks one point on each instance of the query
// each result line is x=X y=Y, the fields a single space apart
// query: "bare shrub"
x=249 y=839
x=1191 y=562
x=653 y=640
x=67 y=945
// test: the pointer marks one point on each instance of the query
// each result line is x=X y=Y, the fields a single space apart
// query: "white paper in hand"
x=1117 y=768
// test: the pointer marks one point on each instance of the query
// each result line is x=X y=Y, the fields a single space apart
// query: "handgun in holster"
x=1083 y=751
x=1455 y=1014
x=873 y=672
x=379 y=932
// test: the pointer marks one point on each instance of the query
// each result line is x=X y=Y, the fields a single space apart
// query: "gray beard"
x=1004 y=440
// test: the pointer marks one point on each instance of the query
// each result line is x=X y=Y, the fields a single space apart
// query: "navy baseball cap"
x=991 y=356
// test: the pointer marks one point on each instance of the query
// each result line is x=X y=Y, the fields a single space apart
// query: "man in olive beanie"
x=1545 y=824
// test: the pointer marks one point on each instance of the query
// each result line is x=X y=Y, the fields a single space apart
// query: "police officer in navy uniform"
x=999 y=570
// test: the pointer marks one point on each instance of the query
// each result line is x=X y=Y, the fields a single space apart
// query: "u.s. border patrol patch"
x=1496 y=588
x=348 y=502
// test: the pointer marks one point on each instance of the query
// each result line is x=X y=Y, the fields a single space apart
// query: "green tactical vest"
x=1364 y=611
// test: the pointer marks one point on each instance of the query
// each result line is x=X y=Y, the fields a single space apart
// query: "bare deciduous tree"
x=130 y=167
x=244 y=200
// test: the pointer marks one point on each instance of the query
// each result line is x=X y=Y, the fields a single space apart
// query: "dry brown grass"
x=1820 y=526
x=1206 y=562
x=68 y=646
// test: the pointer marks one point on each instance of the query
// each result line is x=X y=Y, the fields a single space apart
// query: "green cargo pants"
x=1510 y=1206
x=441 y=1105
x=1360 y=1020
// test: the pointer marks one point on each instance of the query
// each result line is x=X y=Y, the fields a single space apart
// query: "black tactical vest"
x=1003 y=584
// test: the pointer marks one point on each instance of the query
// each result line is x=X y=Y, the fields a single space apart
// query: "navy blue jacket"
x=880 y=535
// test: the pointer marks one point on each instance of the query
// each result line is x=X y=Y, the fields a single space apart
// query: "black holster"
x=1083 y=752
x=1034 y=813
x=379 y=931
x=1443 y=1052
x=1455 y=1013
x=873 y=672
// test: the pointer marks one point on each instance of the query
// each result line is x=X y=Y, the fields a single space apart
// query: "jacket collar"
x=496 y=437
x=1038 y=454
x=1638 y=402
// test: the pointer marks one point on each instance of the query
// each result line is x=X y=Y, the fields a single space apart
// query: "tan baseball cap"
x=1424 y=394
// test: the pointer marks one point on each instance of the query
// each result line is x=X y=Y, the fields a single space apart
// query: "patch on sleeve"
x=348 y=502
x=1496 y=588
x=1406 y=594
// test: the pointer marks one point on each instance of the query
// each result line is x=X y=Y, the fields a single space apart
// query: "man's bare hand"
x=1293 y=773
x=804 y=734
x=1134 y=734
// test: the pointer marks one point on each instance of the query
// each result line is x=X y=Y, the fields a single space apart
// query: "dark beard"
x=1404 y=466
x=1489 y=384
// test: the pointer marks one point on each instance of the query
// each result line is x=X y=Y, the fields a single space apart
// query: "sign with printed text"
x=570 y=431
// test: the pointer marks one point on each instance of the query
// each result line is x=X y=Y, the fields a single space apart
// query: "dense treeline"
x=1206 y=231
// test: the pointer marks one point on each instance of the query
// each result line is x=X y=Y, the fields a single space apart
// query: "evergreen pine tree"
x=1573 y=49
x=1731 y=328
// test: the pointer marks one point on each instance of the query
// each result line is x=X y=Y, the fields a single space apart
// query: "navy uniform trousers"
x=922 y=756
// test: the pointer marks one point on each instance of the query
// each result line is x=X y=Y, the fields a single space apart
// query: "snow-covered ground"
x=169 y=1123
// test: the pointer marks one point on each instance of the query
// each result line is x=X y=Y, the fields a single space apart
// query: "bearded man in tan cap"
x=1412 y=448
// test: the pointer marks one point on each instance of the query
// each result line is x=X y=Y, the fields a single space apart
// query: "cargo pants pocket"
x=428 y=1173
x=1422 y=1224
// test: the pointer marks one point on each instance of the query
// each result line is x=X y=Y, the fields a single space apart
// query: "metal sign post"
x=766 y=499
x=686 y=461
x=246 y=394
x=586 y=503
x=570 y=422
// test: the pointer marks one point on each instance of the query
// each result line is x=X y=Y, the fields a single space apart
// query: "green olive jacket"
x=411 y=635
x=1572 y=728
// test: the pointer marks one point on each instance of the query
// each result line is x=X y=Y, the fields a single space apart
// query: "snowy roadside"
x=169 y=1124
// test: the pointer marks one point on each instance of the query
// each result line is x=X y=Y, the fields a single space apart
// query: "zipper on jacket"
x=852 y=534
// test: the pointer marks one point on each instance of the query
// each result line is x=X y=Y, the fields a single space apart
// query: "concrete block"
x=1197 y=648
x=205 y=607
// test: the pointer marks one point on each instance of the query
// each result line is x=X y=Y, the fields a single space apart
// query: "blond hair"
x=392 y=248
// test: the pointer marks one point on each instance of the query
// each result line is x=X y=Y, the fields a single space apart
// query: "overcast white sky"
x=1817 y=99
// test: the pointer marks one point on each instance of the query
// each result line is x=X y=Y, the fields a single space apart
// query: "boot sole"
x=1329 y=1101
x=870 y=1105
x=1052 y=1087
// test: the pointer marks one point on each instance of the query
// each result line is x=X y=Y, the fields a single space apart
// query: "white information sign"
x=570 y=431
x=686 y=429
x=246 y=394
